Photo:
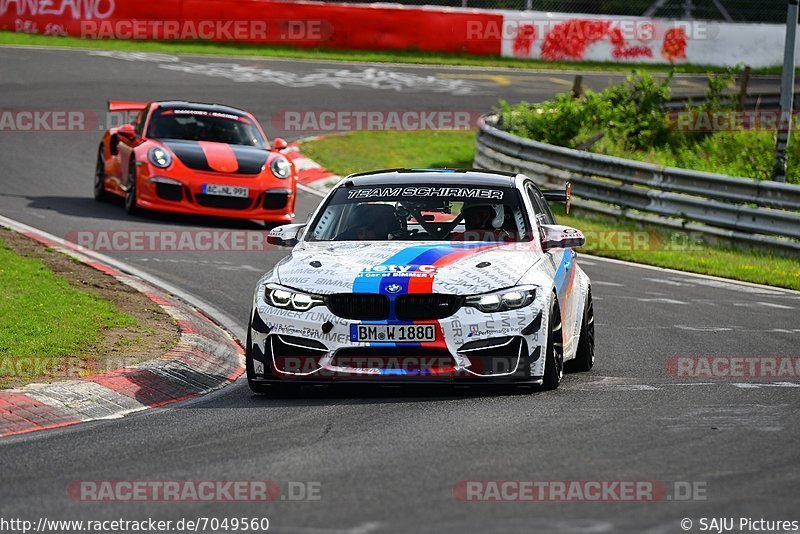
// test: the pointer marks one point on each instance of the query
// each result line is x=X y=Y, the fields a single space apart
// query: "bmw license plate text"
x=393 y=333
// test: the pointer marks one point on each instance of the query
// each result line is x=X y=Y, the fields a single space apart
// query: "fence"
x=721 y=10
x=740 y=209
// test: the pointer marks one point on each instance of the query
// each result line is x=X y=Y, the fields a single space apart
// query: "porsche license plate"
x=226 y=191
x=381 y=333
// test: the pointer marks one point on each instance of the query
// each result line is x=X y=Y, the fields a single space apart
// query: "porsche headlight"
x=506 y=299
x=291 y=299
x=160 y=157
x=281 y=167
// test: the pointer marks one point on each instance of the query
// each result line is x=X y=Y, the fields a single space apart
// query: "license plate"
x=411 y=333
x=226 y=190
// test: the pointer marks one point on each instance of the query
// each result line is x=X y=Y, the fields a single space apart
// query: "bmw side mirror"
x=279 y=143
x=557 y=236
x=287 y=235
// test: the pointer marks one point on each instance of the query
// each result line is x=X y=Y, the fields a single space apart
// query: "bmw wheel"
x=554 y=358
x=584 y=358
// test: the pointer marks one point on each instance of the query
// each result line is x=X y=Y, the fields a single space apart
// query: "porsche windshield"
x=441 y=212
x=201 y=125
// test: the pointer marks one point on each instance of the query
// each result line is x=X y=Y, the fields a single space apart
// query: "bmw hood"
x=405 y=267
x=218 y=157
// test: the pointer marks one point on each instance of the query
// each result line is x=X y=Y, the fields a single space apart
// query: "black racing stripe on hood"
x=251 y=160
x=190 y=153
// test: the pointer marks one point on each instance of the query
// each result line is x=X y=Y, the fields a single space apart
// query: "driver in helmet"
x=483 y=222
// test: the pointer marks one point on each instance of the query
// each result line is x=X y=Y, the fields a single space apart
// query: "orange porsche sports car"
x=204 y=159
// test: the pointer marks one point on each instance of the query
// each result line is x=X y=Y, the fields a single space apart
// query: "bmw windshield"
x=414 y=212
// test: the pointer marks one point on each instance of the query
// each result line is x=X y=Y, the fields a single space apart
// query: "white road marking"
x=661 y=300
x=610 y=383
x=364 y=528
x=610 y=284
x=773 y=305
x=668 y=281
x=746 y=385
x=705 y=328
x=245 y=268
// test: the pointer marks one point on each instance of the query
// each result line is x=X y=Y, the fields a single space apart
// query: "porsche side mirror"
x=127 y=131
x=279 y=143
x=557 y=236
x=287 y=235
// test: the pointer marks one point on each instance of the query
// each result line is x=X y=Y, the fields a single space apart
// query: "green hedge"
x=630 y=120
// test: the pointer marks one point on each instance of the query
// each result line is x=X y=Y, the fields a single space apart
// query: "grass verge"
x=62 y=319
x=386 y=56
x=362 y=151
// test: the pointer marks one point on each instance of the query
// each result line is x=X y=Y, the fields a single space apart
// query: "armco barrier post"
x=787 y=93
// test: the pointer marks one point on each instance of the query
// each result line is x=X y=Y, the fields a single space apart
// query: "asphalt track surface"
x=387 y=460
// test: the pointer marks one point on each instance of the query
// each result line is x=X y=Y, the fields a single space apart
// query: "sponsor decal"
x=99 y=9
x=461 y=192
x=394 y=269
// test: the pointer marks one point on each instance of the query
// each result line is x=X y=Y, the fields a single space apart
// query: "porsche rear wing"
x=559 y=195
x=123 y=105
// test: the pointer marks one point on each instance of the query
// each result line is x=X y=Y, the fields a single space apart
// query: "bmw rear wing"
x=559 y=195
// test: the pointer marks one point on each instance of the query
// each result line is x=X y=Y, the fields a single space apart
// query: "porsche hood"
x=219 y=157
x=403 y=267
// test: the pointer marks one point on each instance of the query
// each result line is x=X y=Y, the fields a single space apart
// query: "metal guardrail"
x=743 y=209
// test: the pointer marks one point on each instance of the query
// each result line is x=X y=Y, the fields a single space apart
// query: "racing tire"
x=554 y=357
x=100 y=193
x=131 y=204
x=584 y=357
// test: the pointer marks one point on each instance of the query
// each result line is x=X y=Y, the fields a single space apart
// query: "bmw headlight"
x=160 y=157
x=281 y=167
x=511 y=298
x=291 y=299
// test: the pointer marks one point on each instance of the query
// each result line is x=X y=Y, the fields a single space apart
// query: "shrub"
x=634 y=122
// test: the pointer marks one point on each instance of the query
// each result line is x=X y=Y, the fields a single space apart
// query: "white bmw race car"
x=424 y=276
